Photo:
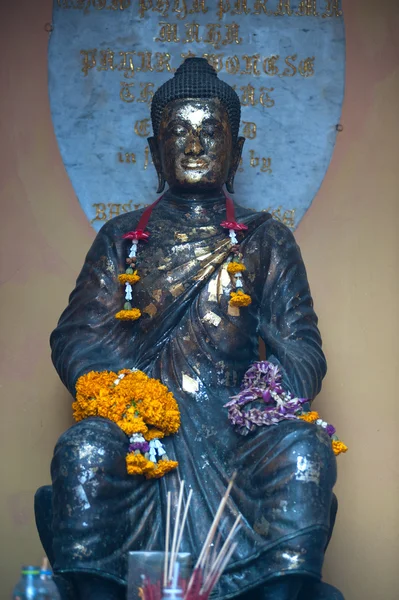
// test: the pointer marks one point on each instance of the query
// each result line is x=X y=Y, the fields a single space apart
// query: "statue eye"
x=209 y=130
x=179 y=130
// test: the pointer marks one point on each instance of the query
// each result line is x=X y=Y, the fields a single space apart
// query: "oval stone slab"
x=286 y=60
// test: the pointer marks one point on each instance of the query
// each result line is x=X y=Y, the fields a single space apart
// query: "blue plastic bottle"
x=48 y=589
x=28 y=586
x=36 y=584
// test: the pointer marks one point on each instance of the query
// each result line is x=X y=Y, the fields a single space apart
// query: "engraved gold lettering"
x=332 y=9
x=290 y=72
x=198 y=6
x=232 y=34
x=249 y=130
x=214 y=36
x=146 y=93
x=89 y=60
x=306 y=67
x=162 y=6
x=127 y=207
x=251 y=65
x=113 y=210
x=145 y=61
x=101 y=214
x=259 y=6
x=130 y=157
x=265 y=99
x=215 y=60
x=223 y=8
x=167 y=32
x=287 y=217
x=180 y=9
x=266 y=165
x=192 y=33
x=248 y=95
x=283 y=8
x=307 y=8
x=120 y=4
x=125 y=92
x=106 y=60
x=141 y=128
x=253 y=160
x=240 y=8
x=233 y=65
x=269 y=65
x=144 y=5
x=126 y=64
x=162 y=62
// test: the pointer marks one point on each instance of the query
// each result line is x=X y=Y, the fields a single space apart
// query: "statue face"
x=195 y=144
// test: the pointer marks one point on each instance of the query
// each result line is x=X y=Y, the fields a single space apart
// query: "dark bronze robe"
x=190 y=340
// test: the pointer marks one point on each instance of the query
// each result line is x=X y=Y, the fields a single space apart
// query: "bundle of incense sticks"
x=211 y=562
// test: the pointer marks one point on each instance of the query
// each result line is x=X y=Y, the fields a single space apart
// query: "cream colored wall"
x=349 y=243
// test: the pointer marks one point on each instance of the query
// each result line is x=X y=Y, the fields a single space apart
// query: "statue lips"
x=195 y=164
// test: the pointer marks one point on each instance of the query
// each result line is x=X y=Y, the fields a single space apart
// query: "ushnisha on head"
x=195 y=119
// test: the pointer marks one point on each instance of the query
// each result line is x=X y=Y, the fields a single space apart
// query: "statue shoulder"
x=116 y=227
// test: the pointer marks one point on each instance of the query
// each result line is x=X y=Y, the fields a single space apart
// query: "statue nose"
x=193 y=145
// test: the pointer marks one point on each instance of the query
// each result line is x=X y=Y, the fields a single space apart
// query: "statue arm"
x=287 y=321
x=88 y=337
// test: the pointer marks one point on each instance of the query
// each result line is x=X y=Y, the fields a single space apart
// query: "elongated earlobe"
x=237 y=152
x=153 y=145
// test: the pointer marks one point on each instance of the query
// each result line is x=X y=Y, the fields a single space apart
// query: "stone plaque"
x=286 y=60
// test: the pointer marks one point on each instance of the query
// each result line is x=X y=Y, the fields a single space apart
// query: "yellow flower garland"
x=339 y=447
x=239 y=299
x=235 y=267
x=131 y=314
x=310 y=417
x=129 y=278
x=137 y=403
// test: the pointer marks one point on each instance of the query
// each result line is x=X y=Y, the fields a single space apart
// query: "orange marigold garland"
x=141 y=406
x=235 y=267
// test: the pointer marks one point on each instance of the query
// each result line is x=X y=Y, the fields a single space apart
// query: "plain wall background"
x=349 y=243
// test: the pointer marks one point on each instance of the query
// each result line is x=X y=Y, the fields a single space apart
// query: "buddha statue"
x=199 y=345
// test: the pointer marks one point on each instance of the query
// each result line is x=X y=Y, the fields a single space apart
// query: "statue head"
x=195 y=119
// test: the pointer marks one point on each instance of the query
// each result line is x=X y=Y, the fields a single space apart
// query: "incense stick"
x=206 y=547
x=175 y=532
x=165 y=570
x=222 y=568
x=183 y=523
x=212 y=531
x=225 y=549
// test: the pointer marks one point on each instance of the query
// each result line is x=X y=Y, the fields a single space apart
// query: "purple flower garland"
x=262 y=384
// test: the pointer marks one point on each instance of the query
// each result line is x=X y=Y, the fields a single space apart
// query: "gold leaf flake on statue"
x=212 y=318
x=201 y=251
x=212 y=288
x=189 y=384
x=204 y=273
x=177 y=289
x=151 y=310
x=157 y=295
x=181 y=237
